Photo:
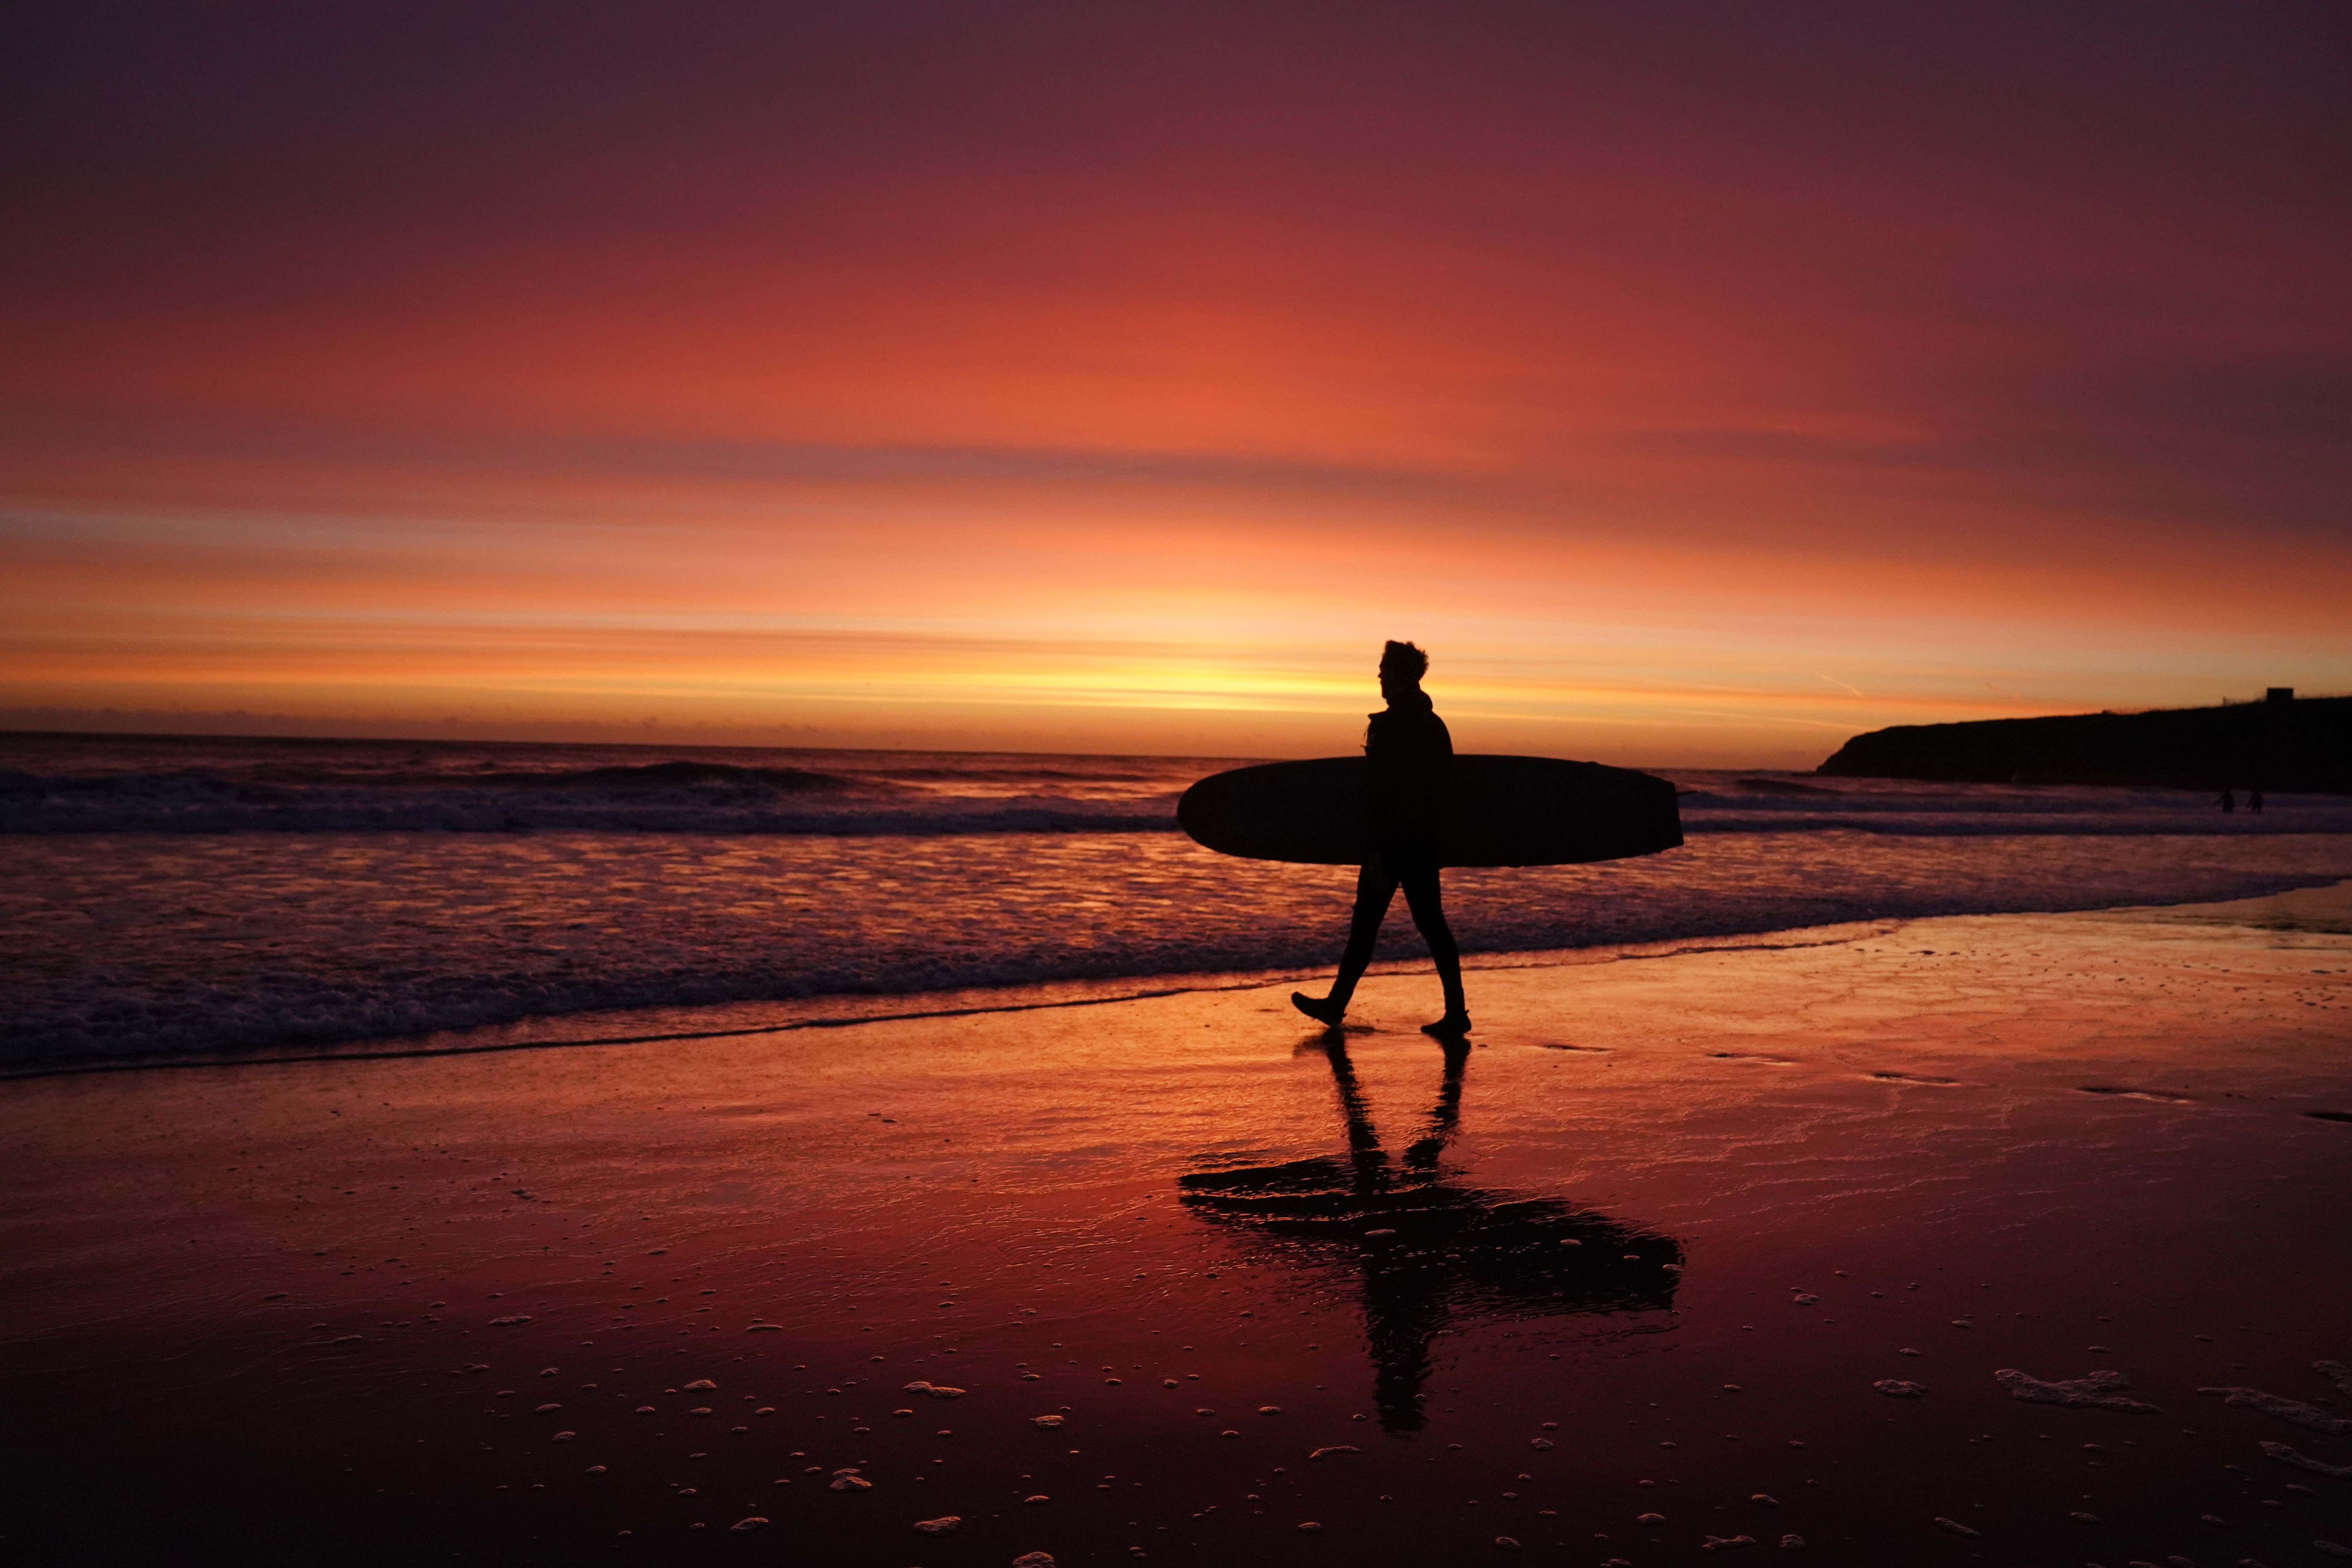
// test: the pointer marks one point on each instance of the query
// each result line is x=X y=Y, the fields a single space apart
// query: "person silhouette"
x=1409 y=753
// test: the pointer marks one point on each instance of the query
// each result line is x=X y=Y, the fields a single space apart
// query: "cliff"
x=2275 y=745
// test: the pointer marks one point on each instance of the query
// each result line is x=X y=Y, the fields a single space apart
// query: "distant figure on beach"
x=2254 y=801
x=2229 y=800
x=1409 y=753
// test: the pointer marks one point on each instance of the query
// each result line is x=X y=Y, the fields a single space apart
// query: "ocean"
x=167 y=896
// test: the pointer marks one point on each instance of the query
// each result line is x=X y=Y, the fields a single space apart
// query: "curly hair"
x=1402 y=658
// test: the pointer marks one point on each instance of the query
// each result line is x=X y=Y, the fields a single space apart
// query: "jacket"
x=1411 y=753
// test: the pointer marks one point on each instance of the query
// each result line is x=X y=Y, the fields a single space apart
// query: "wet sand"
x=1649 y=1248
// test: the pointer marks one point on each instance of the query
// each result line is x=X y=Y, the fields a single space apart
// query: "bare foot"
x=1319 y=1009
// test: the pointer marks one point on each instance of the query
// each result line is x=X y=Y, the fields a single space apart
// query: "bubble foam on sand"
x=2286 y=1455
x=2293 y=1410
x=2097 y=1391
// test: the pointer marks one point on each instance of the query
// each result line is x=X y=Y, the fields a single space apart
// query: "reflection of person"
x=1404 y=1307
x=1410 y=754
x=2254 y=801
x=1430 y=1249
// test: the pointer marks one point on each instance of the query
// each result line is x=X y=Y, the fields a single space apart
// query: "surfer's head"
x=1403 y=666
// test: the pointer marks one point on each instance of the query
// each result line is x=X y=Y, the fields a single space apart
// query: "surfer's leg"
x=1375 y=886
x=1421 y=895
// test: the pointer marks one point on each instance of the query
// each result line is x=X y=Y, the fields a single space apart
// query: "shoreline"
x=789 y=1016
x=160 y=948
x=492 y=1039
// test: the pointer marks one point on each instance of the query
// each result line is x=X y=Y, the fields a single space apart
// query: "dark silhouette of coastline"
x=1445 y=1252
x=2285 y=743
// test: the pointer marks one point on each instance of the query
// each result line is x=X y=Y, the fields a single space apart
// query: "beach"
x=703 y=711
x=1702 y=1239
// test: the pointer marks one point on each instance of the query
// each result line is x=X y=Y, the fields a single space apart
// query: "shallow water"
x=135 y=946
x=166 y=897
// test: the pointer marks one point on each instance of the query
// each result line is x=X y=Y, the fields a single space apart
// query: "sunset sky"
x=1700 y=384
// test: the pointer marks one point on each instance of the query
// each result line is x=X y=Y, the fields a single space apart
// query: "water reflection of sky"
x=1431 y=1251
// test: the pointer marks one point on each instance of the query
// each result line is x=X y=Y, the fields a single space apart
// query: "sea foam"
x=162 y=898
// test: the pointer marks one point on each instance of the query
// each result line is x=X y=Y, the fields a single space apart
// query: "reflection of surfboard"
x=1499 y=811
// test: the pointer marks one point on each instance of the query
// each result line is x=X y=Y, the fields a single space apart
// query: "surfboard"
x=1499 y=811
